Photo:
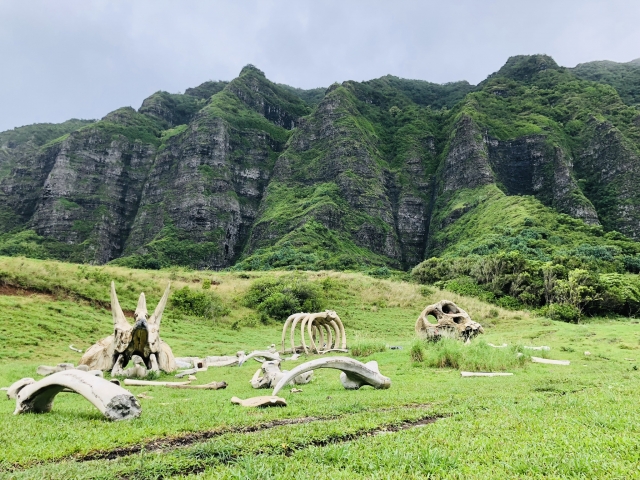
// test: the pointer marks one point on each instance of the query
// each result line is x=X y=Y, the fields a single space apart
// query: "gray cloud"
x=80 y=58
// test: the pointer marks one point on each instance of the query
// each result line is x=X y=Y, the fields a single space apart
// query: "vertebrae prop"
x=318 y=325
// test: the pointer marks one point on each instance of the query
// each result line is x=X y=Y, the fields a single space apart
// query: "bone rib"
x=75 y=349
x=114 y=402
x=355 y=370
x=208 y=386
x=260 y=353
x=151 y=383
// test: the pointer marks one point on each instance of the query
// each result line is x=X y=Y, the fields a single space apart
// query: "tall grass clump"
x=476 y=357
x=364 y=348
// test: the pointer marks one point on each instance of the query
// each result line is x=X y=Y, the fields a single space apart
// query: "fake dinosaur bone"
x=264 y=401
x=271 y=375
x=317 y=324
x=114 y=402
x=354 y=374
x=453 y=322
x=142 y=338
x=15 y=387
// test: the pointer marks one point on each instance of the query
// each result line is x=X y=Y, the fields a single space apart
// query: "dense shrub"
x=280 y=297
x=578 y=284
x=198 y=303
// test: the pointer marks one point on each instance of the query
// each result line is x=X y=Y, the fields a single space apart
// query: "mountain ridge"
x=251 y=174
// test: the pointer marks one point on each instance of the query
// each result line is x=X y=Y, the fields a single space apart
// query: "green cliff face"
x=384 y=173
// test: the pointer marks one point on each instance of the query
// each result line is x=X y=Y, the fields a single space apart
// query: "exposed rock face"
x=610 y=167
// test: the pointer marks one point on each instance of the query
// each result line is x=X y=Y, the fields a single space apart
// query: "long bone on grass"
x=113 y=401
x=354 y=374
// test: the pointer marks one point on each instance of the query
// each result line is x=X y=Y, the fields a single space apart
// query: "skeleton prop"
x=354 y=374
x=452 y=322
x=271 y=375
x=114 y=402
x=142 y=339
x=318 y=325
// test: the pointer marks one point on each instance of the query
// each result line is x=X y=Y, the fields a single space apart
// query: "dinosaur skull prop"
x=452 y=322
x=142 y=339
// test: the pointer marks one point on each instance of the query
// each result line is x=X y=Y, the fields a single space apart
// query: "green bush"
x=562 y=312
x=417 y=351
x=198 y=303
x=278 y=298
x=364 y=348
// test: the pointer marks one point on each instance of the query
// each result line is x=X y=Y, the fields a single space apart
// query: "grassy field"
x=546 y=421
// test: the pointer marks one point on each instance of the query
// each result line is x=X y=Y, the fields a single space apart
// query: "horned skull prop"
x=452 y=322
x=317 y=324
x=142 y=339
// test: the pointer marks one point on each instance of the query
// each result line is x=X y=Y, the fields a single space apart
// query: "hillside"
x=380 y=174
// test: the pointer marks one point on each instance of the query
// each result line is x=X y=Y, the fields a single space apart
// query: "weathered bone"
x=355 y=373
x=151 y=383
x=550 y=362
x=208 y=386
x=257 y=354
x=452 y=322
x=14 y=388
x=504 y=345
x=114 y=402
x=271 y=375
x=316 y=325
x=143 y=339
x=543 y=347
x=75 y=349
x=264 y=401
x=45 y=370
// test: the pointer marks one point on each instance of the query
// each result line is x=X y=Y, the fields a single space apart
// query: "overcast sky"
x=84 y=58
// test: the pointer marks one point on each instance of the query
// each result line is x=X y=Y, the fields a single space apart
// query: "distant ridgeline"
x=534 y=170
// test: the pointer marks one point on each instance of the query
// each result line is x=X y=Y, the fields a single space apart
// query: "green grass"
x=545 y=421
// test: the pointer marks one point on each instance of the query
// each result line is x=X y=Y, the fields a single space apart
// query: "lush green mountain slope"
x=624 y=77
x=385 y=173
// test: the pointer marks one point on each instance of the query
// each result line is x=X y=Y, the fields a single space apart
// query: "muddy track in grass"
x=174 y=442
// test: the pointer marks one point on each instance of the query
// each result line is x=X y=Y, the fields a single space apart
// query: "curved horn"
x=157 y=314
x=355 y=370
x=113 y=401
x=141 y=309
x=116 y=310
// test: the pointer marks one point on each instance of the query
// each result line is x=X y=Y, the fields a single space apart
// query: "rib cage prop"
x=324 y=329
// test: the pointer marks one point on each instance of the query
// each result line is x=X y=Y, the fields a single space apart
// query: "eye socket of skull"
x=458 y=320
x=449 y=309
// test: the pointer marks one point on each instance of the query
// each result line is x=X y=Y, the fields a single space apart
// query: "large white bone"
x=354 y=373
x=114 y=402
x=260 y=354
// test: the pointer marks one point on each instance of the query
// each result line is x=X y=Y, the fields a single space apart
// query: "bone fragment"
x=264 y=401
x=550 y=362
x=45 y=370
x=208 y=386
x=543 y=347
x=114 y=402
x=184 y=373
x=75 y=349
x=485 y=374
x=14 y=388
x=140 y=383
x=354 y=373
x=341 y=350
x=498 y=346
